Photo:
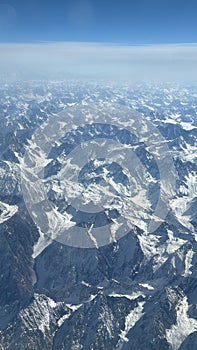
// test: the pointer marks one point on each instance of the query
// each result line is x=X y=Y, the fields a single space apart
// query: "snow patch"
x=131 y=319
x=147 y=286
x=43 y=242
x=188 y=263
x=183 y=327
x=132 y=296
x=7 y=211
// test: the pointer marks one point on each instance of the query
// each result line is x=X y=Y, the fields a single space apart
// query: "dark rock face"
x=190 y=342
x=138 y=292
x=17 y=274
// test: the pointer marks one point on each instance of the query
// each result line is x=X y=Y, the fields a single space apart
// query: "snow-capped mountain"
x=136 y=290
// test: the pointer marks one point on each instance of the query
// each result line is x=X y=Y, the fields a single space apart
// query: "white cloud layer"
x=98 y=61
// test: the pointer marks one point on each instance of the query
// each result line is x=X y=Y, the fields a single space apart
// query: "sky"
x=115 y=21
x=136 y=40
x=100 y=61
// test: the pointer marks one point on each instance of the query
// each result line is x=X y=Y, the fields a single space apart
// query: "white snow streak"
x=184 y=326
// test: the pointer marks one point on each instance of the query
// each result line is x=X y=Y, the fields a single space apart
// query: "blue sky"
x=125 y=21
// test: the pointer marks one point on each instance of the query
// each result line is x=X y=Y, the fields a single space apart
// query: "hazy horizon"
x=84 y=60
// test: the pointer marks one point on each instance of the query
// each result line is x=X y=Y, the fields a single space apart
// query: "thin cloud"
x=160 y=63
